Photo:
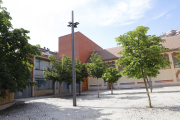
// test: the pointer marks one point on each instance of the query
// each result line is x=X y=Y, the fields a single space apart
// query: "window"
x=37 y=64
x=121 y=68
x=43 y=64
x=175 y=60
x=109 y=65
x=113 y=64
x=167 y=56
x=40 y=64
x=42 y=84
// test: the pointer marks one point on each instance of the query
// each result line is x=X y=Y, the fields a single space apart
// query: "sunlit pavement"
x=123 y=104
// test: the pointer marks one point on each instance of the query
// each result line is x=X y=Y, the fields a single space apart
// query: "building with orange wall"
x=83 y=49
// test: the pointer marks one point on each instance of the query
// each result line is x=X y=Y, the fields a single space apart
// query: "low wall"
x=8 y=101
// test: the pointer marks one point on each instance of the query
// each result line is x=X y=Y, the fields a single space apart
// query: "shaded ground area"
x=123 y=104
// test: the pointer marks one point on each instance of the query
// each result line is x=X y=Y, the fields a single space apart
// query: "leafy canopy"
x=81 y=71
x=60 y=72
x=141 y=52
x=96 y=68
x=111 y=75
x=16 y=56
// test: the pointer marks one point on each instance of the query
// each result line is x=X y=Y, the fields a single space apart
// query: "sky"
x=100 y=20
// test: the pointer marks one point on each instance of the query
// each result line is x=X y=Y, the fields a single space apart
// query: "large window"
x=175 y=60
x=111 y=64
x=121 y=68
x=167 y=56
x=40 y=64
x=43 y=85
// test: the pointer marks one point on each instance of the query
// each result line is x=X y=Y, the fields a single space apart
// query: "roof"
x=172 y=42
x=112 y=53
x=47 y=52
x=107 y=54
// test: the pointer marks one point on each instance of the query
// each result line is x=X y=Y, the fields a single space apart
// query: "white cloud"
x=47 y=20
x=160 y=15
x=119 y=13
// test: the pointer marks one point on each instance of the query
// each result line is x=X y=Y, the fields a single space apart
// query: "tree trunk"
x=79 y=88
x=111 y=88
x=145 y=82
x=60 y=90
x=149 y=84
x=98 y=87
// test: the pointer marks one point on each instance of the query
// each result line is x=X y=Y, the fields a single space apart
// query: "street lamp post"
x=73 y=25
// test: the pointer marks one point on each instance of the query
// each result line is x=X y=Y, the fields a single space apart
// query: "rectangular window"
x=109 y=65
x=175 y=60
x=42 y=84
x=43 y=64
x=37 y=64
x=167 y=56
x=121 y=68
x=113 y=64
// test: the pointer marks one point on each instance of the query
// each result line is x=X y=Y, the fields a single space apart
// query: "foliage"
x=111 y=75
x=96 y=68
x=60 y=72
x=178 y=57
x=16 y=56
x=81 y=72
x=141 y=54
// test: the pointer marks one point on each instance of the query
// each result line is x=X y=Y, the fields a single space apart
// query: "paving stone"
x=124 y=104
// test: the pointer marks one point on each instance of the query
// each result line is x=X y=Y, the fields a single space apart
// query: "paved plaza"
x=124 y=104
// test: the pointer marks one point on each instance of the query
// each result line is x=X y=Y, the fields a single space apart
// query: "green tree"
x=16 y=56
x=60 y=72
x=81 y=72
x=96 y=68
x=141 y=55
x=111 y=75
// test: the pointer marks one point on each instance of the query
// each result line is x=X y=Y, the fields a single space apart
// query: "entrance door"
x=85 y=84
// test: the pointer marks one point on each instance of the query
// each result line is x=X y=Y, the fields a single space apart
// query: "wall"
x=8 y=99
x=83 y=46
x=166 y=77
x=83 y=49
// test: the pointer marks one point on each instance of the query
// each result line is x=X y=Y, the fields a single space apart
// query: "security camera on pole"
x=73 y=25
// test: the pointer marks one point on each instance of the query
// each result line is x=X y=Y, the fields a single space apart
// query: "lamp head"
x=76 y=23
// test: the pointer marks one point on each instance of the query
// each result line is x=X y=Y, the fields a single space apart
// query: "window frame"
x=169 y=60
x=173 y=59
x=122 y=67
x=49 y=64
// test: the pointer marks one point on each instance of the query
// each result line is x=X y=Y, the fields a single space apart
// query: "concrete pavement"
x=124 y=104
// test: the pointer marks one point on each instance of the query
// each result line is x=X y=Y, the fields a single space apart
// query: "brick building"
x=83 y=49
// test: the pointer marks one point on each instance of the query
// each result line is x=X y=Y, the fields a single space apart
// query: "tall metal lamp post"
x=73 y=25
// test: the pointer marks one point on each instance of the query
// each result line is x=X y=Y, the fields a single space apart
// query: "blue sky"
x=100 y=20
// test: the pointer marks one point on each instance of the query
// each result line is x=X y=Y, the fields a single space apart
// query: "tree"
x=178 y=57
x=141 y=55
x=111 y=75
x=60 y=72
x=81 y=72
x=16 y=56
x=96 y=68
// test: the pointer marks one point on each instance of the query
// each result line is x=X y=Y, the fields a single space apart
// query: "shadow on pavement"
x=39 y=110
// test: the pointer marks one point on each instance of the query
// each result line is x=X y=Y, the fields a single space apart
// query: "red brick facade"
x=83 y=47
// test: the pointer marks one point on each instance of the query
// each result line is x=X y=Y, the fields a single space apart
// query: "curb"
x=4 y=106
